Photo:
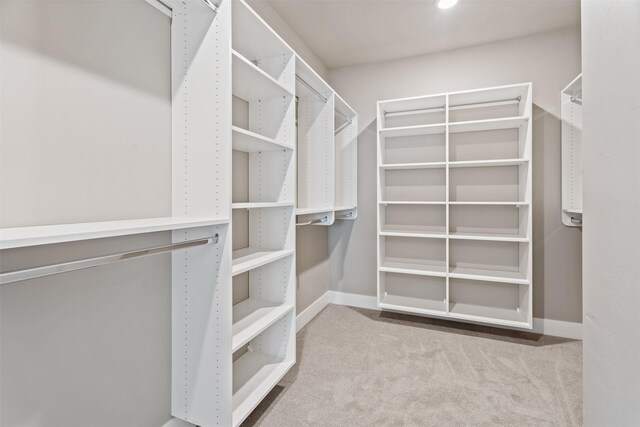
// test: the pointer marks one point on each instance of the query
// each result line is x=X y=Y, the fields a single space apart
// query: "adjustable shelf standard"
x=571 y=114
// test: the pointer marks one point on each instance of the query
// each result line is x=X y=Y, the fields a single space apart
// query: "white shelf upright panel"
x=571 y=113
x=346 y=160
x=454 y=205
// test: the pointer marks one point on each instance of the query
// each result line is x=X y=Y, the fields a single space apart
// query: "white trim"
x=558 y=328
x=176 y=422
x=312 y=311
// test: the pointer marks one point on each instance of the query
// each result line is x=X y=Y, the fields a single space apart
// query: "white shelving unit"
x=263 y=340
x=571 y=112
x=454 y=213
x=346 y=160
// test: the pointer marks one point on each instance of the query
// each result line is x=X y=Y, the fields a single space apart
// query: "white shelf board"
x=413 y=305
x=489 y=237
x=488 y=163
x=488 y=275
x=251 y=83
x=410 y=202
x=573 y=211
x=252 y=36
x=261 y=205
x=422 y=234
x=254 y=375
x=489 y=124
x=402 y=266
x=18 y=237
x=488 y=203
x=251 y=142
x=430 y=165
x=309 y=211
x=252 y=316
x=344 y=208
x=485 y=314
x=413 y=130
x=249 y=258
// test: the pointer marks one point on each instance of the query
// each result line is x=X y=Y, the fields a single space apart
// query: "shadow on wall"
x=94 y=26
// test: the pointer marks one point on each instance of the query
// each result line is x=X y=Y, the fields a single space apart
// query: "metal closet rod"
x=65 y=267
x=345 y=216
x=576 y=98
x=321 y=96
x=342 y=126
x=312 y=221
x=453 y=107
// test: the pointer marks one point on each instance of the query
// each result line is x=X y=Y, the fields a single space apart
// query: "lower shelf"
x=400 y=265
x=252 y=316
x=484 y=314
x=499 y=276
x=413 y=305
x=254 y=375
x=249 y=258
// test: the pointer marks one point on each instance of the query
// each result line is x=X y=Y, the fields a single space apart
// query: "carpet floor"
x=360 y=367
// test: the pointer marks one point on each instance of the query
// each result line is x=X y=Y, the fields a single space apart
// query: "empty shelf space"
x=252 y=316
x=254 y=375
x=413 y=130
x=490 y=124
x=403 y=266
x=495 y=237
x=250 y=142
x=251 y=83
x=489 y=203
x=261 y=205
x=17 y=237
x=412 y=202
x=491 y=275
x=481 y=313
x=429 y=165
x=413 y=305
x=249 y=258
x=488 y=163
x=309 y=211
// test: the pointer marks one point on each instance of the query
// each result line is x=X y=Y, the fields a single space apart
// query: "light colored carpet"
x=366 y=368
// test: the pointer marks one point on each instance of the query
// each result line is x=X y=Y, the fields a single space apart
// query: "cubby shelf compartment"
x=490 y=124
x=454 y=205
x=254 y=375
x=18 y=237
x=249 y=258
x=413 y=130
x=252 y=316
x=261 y=205
x=251 y=142
x=252 y=83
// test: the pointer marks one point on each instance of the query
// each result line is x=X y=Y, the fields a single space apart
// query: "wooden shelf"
x=489 y=237
x=488 y=275
x=396 y=166
x=249 y=258
x=413 y=130
x=252 y=316
x=485 y=314
x=251 y=83
x=403 y=266
x=254 y=375
x=413 y=305
x=488 y=163
x=261 y=205
x=251 y=142
x=490 y=124
x=18 y=237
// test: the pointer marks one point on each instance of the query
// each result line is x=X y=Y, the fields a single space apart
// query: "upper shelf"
x=413 y=130
x=489 y=124
x=18 y=237
x=252 y=37
x=250 y=82
x=250 y=142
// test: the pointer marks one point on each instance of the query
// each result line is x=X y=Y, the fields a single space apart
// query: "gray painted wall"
x=550 y=61
x=611 y=135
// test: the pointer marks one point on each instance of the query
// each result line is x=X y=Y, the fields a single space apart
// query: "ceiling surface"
x=348 y=32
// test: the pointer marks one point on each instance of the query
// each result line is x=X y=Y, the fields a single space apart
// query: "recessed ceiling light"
x=446 y=4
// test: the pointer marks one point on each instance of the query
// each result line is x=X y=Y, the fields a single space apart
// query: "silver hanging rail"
x=345 y=216
x=342 y=126
x=312 y=221
x=576 y=98
x=65 y=267
x=454 y=107
x=312 y=89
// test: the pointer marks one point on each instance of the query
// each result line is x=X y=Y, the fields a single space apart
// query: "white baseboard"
x=556 y=328
x=176 y=422
x=312 y=311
